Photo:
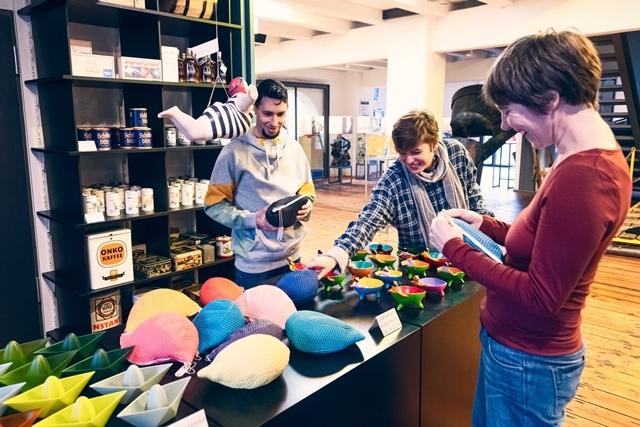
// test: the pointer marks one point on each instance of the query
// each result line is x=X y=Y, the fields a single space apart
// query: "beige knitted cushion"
x=266 y=302
x=157 y=301
x=248 y=363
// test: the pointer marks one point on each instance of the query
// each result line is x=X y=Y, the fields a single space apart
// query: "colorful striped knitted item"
x=248 y=363
x=261 y=326
x=266 y=302
x=227 y=121
x=313 y=332
x=219 y=288
x=158 y=301
x=478 y=240
x=215 y=322
x=167 y=336
x=301 y=286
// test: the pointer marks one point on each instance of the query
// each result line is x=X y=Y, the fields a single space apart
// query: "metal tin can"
x=174 y=196
x=112 y=203
x=143 y=138
x=100 y=196
x=172 y=135
x=147 y=200
x=223 y=247
x=120 y=192
x=90 y=204
x=187 y=193
x=85 y=134
x=127 y=138
x=138 y=190
x=131 y=202
x=201 y=192
x=102 y=138
x=138 y=118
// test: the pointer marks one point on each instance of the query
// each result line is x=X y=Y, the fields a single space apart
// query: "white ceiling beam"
x=267 y=10
x=272 y=40
x=421 y=7
x=339 y=9
x=284 y=31
x=498 y=3
x=376 y=4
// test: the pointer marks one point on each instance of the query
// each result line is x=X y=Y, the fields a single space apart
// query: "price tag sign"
x=198 y=419
x=207 y=48
x=87 y=146
x=94 y=217
x=387 y=322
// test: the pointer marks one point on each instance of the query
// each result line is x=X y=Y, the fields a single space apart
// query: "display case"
x=68 y=101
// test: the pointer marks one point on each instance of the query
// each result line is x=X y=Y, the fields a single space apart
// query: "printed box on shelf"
x=110 y=258
x=196 y=238
x=208 y=252
x=92 y=65
x=153 y=265
x=186 y=257
x=140 y=68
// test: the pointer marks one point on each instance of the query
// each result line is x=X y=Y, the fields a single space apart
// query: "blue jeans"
x=251 y=280
x=520 y=389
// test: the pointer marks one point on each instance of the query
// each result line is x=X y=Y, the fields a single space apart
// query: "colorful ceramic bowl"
x=360 y=255
x=434 y=258
x=415 y=268
x=379 y=248
x=432 y=285
x=382 y=260
x=407 y=295
x=388 y=277
x=408 y=253
x=451 y=274
x=332 y=279
x=367 y=286
x=360 y=268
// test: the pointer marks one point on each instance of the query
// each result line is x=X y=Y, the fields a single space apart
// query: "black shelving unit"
x=69 y=101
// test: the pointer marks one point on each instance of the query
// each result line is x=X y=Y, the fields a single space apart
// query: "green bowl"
x=360 y=255
x=383 y=261
x=407 y=295
x=451 y=274
x=332 y=279
x=417 y=269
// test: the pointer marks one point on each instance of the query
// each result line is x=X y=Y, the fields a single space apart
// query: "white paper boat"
x=156 y=406
x=134 y=381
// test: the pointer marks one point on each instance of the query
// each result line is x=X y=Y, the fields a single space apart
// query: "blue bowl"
x=392 y=276
x=386 y=249
x=367 y=286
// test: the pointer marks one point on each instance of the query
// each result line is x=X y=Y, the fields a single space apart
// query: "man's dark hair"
x=273 y=89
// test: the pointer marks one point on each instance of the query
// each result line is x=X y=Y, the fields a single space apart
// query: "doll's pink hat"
x=167 y=336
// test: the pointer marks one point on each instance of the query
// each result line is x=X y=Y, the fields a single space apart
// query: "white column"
x=415 y=74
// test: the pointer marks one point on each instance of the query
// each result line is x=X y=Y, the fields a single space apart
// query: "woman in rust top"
x=546 y=87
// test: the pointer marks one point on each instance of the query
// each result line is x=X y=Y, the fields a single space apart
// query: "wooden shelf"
x=139 y=279
x=126 y=151
x=118 y=83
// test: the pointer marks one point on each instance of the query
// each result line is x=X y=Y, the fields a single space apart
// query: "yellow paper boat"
x=156 y=406
x=20 y=420
x=85 y=412
x=36 y=372
x=134 y=381
x=7 y=393
x=84 y=345
x=103 y=363
x=51 y=396
x=21 y=354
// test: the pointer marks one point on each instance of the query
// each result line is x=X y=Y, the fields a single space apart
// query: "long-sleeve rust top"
x=534 y=300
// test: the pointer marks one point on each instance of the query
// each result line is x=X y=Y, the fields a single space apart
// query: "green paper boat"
x=38 y=370
x=51 y=396
x=85 y=412
x=156 y=406
x=84 y=345
x=134 y=381
x=103 y=363
x=20 y=420
x=7 y=393
x=21 y=354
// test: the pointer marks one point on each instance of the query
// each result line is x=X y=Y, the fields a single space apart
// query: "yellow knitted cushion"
x=157 y=301
x=248 y=363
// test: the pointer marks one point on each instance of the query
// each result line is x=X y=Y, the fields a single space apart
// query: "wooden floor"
x=609 y=394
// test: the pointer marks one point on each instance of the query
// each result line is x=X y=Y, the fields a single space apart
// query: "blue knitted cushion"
x=260 y=326
x=478 y=240
x=215 y=322
x=301 y=286
x=313 y=332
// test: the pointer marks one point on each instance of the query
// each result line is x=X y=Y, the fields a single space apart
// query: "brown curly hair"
x=414 y=128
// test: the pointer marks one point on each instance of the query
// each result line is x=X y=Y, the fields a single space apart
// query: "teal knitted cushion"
x=301 y=286
x=478 y=240
x=215 y=322
x=312 y=332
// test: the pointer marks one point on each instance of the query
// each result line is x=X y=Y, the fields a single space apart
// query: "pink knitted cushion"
x=266 y=302
x=167 y=336
x=157 y=301
x=219 y=288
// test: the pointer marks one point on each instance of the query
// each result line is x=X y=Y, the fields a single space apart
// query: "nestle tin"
x=138 y=118
x=143 y=138
x=100 y=196
x=131 y=202
x=172 y=135
x=147 y=200
x=223 y=247
x=174 y=196
x=90 y=204
x=112 y=203
x=102 y=138
x=127 y=138
x=201 y=192
x=85 y=134
x=187 y=194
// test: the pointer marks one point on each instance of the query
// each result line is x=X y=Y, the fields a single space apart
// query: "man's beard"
x=267 y=136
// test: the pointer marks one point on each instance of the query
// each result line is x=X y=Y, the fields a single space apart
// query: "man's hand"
x=261 y=220
x=304 y=211
x=322 y=264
